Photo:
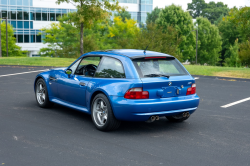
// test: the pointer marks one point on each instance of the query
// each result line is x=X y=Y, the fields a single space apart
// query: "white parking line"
x=23 y=73
x=196 y=78
x=234 y=103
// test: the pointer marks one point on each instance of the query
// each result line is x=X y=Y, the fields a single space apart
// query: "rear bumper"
x=141 y=110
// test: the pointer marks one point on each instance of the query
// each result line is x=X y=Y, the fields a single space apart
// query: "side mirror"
x=68 y=71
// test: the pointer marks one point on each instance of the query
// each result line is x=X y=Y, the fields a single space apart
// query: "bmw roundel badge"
x=170 y=83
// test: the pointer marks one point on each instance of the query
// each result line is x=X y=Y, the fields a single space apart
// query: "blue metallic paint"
x=67 y=91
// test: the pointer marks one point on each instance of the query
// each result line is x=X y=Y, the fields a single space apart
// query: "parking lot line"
x=196 y=78
x=234 y=103
x=23 y=73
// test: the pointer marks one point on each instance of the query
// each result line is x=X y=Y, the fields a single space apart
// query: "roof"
x=133 y=53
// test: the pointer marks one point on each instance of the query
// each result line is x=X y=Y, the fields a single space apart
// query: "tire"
x=41 y=94
x=176 y=119
x=102 y=114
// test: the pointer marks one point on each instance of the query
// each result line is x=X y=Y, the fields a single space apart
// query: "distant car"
x=121 y=85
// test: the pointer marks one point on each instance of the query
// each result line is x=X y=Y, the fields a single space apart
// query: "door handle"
x=82 y=84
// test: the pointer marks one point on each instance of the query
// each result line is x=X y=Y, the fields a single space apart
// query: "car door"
x=72 y=88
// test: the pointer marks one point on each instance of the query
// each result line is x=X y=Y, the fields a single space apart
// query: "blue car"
x=121 y=85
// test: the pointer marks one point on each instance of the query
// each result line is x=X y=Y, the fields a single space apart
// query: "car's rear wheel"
x=42 y=94
x=102 y=114
x=176 y=118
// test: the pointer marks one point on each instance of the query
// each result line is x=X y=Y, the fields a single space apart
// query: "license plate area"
x=169 y=92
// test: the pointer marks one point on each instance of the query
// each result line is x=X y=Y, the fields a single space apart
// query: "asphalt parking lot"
x=213 y=135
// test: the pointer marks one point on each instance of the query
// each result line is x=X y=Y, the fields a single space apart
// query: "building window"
x=38 y=15
x=4 y=13
x=13 y=2
x=31 y=2
x=13 y=23
x=19 y=24
x=15 y=37
x=26 y=24
x=19 y=15
x=19 y=2
x=32 y=14
x=26 y=38
x=20 y=38
x=52 y=16
x=25 y=2
x=31 y=24
x=4 y=2
x=13 y=15
x=44 y=14
x=32 y=38
x=26 y=13
x=38 y=39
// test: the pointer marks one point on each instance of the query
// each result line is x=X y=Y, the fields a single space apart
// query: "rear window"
x=156 y=67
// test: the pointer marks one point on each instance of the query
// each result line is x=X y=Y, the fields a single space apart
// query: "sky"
x=183 y=3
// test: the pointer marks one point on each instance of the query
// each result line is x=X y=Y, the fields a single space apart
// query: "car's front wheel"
x=102 y=114
x=42 y=94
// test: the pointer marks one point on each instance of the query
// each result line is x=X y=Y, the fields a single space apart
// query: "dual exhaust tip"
x=154 y=118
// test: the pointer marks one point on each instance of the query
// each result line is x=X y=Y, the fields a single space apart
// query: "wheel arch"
x=36 y=79
x=98 y=91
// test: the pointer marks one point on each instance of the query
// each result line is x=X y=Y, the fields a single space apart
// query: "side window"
x=88 y=66
x=110 y=68
x=74 y=66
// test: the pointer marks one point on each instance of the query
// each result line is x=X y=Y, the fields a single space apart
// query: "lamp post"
x=6 y=35
x=196 y=44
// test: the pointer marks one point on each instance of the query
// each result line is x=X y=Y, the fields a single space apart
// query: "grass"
x=219 y=71
x=193 y=69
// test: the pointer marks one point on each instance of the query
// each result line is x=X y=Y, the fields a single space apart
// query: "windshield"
x=159 y=67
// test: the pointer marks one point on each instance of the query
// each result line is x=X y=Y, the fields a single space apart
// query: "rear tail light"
x=136 y=93
x=192 y=90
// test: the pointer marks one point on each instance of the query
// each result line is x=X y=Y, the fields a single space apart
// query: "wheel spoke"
x=41 y=87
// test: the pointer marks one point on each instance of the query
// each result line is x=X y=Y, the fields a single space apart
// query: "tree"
x=182 y=21
x=62 y=39
x=233 y=60
x=123 y=14
x=229 y=33
x=121 y=34
x=13 y=49
x=88 y=11
x=244 y=53
x=209 y=42
x=152 y=17
x=197 y=7
x=241 y=19
x=213 y=11
x=157 y=40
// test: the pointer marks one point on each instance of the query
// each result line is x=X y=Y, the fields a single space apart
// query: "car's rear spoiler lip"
x=145 y=56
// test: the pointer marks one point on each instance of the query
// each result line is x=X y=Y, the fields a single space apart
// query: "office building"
x=29 y=16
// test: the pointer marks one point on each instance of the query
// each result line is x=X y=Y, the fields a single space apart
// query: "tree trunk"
x=81 y=40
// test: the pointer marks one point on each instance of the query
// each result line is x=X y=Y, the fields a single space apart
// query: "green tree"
x=89 y=11
x=157 y=40
x=233 y=60
x=121 y=34
x=152 y=17
x=213 y=11
x=13 y=49
x=197 y=7
x=123 y=14
x=244 y=53
x=182 y=22
x=62 y=39
x=229 y=33
x=209 y=42
x=241 y=19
